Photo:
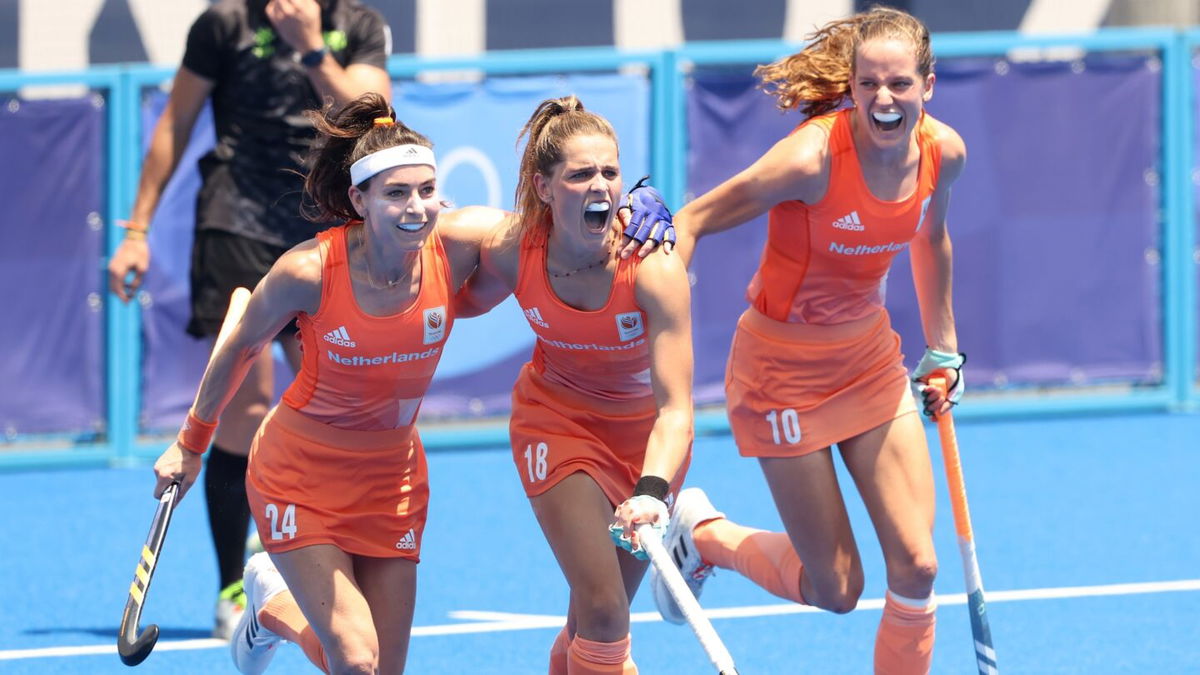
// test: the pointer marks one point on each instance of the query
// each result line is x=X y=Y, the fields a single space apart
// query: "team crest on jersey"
x=629 y=325
x=435 y=324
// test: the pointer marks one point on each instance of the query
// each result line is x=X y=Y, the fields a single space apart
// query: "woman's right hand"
x=179 y=466
x=132 y=256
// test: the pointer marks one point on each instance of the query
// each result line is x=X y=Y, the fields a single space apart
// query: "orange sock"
x=766 y=558
x=558 y=653
x=588 y=657
x=904 y=643
x=282 y=616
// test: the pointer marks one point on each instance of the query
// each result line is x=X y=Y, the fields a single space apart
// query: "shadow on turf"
x=164 y=632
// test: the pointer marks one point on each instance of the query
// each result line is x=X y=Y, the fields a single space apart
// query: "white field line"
x=491 y=622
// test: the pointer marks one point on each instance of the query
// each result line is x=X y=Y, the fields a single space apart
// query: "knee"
x=601 y=616
x=354 y=662
x=356 y=654
x=838 y=594
x=913 y=578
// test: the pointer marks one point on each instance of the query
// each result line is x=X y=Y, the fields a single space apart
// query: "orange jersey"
x=369 y=372
x=603 y=353
x=825 y=263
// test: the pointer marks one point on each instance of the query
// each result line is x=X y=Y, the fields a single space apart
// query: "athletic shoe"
x=691 y=508
x=253 y=543
x=252 y=645
x=231 y=602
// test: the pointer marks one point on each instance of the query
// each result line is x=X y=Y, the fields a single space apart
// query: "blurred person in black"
x=261 y=63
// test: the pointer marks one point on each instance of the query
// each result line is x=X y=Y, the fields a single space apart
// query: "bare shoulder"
x=952 y=146
x=662 y=271
x=297 y=273
x=504 y=238
x=804 y=153
x=471 y=223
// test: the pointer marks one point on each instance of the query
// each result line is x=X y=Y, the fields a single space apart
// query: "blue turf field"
x=1068 y=514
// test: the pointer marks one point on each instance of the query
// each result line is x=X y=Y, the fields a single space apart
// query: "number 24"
x=288 y=524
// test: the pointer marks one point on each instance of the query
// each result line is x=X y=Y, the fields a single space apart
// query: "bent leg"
x=390 y=587
x=811 y=505
x=323 y=582
x=891 y=466
x=574 y=515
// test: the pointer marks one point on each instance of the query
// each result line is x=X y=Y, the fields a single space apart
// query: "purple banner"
x=50 y=253
x=1054 y=222
x=172 y=360
x=478 y=163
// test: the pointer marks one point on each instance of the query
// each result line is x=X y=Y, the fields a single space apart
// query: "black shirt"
x=261 y=92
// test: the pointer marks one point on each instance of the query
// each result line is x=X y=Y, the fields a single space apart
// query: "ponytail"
x=345 y=135
x=553 y=123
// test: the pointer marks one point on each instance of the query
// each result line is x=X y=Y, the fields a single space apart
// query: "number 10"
x=791 y=425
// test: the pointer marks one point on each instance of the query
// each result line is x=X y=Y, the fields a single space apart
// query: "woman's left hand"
x=636 y=511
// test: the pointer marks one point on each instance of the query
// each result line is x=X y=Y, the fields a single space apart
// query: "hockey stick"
x=688 y=605
x=985 y=653
x=132 y=647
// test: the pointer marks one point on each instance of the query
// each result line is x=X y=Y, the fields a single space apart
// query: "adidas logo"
x=408 y=542
x=340 y=337
x=410 y=151
x=535 y=317
x=850 y=222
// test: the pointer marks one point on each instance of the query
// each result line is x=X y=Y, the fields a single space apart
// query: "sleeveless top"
x=369 y=372
x=827 y=263
x=603 y=353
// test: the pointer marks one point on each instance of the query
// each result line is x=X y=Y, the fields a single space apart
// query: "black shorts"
x=221 y=262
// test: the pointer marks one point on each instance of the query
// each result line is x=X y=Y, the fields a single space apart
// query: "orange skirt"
x=366 y=492
x=556 y=431
x=792 y=389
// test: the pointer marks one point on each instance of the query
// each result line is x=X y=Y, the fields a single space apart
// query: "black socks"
x=228 y=511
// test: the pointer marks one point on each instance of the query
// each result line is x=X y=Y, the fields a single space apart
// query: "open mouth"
x=595 y=216
x=412 y=227
x=889 y=121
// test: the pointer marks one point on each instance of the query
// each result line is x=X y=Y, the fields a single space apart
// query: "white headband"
x=398 y=155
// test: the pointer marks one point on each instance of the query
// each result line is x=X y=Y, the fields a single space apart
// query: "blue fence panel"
x=1074 y=224
x=474 y=129
x=1055 y=220
x=51 y=253
x=172 y=360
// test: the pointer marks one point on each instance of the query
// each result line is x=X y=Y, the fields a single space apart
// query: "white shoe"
x=252 y=645
x=691 y=508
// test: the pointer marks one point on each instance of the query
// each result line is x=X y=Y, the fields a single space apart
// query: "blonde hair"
x=817 y=78
x=553 y=123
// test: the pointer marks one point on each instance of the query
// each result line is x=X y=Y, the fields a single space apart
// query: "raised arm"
x=495 y=277
x=298 y=22
x=932 y=269
x=292 y=286
x=795 y=168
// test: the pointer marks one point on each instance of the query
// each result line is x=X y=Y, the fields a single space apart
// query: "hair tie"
x=385 y=122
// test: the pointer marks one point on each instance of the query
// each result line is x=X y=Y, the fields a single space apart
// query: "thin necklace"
x=362 y=241
x=577 y=270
